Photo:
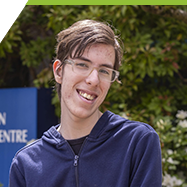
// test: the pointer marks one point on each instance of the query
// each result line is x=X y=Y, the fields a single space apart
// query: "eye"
x=81 y=65
x=104 y=71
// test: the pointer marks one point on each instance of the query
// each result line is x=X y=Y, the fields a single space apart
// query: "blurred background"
x=153 y=71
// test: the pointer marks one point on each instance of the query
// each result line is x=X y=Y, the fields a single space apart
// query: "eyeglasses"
x=85 y=68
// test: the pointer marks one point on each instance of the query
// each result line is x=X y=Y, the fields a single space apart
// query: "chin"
x=84 y=113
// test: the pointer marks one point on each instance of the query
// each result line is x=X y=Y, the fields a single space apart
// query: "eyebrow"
x=88 y=60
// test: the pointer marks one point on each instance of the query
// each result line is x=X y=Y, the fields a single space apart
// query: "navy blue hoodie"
x=117 y=153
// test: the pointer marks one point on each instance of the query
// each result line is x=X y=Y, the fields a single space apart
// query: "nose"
x=93 y=78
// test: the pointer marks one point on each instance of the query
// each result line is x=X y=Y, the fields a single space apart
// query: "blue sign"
x=18 y=124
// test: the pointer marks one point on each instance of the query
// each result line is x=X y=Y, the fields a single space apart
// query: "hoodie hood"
x=53 y=137
x=107 y=122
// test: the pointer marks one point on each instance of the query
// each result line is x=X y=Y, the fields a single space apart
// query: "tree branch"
x=165 y=12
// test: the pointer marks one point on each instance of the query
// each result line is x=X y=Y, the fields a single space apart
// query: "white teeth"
x=87 y=96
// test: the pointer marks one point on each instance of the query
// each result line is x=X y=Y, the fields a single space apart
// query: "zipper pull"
x=76 y=160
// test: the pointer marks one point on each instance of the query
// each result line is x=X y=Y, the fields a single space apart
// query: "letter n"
x=3 y=118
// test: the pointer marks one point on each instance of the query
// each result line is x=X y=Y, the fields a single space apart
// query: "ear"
x=57 y=70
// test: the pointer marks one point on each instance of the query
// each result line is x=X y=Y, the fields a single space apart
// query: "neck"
x=73 y=127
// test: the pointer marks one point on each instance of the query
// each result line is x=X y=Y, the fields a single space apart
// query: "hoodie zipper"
x=76 y=169
x=76 y=159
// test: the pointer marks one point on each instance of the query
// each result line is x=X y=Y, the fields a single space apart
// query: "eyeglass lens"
x=104 y=73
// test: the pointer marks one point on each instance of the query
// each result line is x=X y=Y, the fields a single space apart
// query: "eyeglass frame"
x=71 y=62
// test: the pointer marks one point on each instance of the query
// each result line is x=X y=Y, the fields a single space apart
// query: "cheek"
x=105 y=89
x=68 y=85
x=65 y=88
x=66 y=96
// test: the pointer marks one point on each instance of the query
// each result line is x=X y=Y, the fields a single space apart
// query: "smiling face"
x=82 y=95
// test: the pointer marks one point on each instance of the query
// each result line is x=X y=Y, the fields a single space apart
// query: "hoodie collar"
x=101 y=125
x=53 y=137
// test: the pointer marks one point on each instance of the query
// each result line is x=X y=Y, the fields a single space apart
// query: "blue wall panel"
x=18 y=124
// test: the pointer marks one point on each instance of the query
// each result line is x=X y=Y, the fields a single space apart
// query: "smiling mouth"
x=86 y=95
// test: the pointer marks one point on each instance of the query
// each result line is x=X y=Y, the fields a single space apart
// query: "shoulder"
x=28 y=150
x=139 y=137
x=32 y=152
x=117 y=120
x=25 y=158
x=130 y=128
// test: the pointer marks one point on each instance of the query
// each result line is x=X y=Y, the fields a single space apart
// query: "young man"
x=89 y=148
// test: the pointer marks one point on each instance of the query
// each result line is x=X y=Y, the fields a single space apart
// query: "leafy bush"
x=173 y=137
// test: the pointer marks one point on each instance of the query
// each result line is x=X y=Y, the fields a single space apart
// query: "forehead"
x=99 y=52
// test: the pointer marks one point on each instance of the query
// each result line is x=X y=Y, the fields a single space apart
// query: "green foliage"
x=155 y=53
x=173 y=137
x=9 y=41
x=55 y=102
x=33 y=53
x=153 y=72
